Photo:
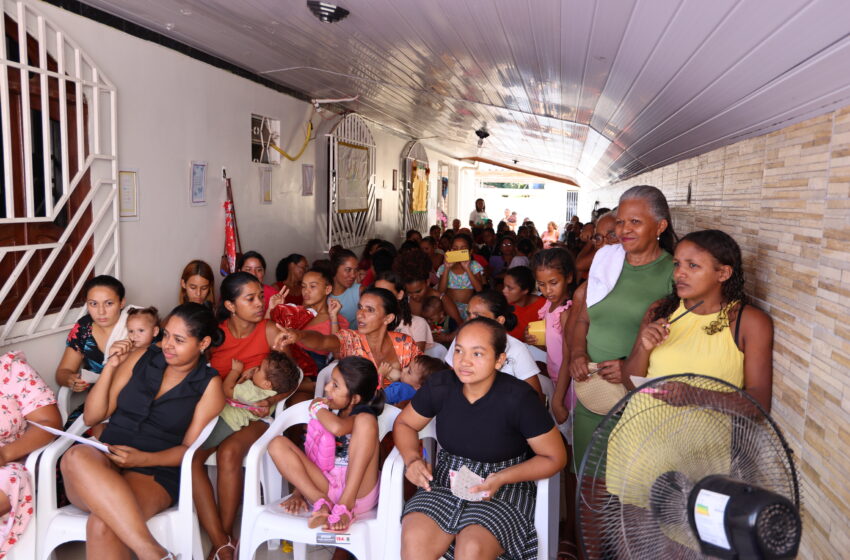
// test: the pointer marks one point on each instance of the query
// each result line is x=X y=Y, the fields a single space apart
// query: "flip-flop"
x=318 y=519
x=338 y=511
x=230 y=544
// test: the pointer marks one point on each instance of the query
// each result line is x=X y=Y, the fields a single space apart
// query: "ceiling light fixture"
x=326 y=12
x=482 y=134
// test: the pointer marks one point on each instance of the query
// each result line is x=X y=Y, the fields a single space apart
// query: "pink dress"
x=22 y=391
x=555 y=344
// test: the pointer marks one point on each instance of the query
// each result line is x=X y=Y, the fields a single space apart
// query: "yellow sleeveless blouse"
x=639 y=447
x=689 y=349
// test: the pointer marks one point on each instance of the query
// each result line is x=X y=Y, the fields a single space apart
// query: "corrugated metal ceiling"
x=583 y=88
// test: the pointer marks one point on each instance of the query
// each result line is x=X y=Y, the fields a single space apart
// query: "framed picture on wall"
x=395 y=179
x=265 y=185
x=198 y=184
x=128 y=193
x=306 y=179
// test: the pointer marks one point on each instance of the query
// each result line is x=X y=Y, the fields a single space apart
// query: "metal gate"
x=350 y=228
x=58 y=113
x=413 y=156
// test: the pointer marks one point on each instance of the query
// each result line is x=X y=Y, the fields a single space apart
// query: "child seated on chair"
x=407 y=381
x=277 y=374
x=347 y=486
x=443 y=327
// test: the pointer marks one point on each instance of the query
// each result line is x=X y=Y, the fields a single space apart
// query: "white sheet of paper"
x=89 y=376
x=462 y=480
x=92 y=442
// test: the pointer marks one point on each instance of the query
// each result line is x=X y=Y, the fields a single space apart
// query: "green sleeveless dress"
x=614 y=325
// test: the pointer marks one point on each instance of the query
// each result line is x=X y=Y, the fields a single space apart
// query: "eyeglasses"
x=599 y=237
x=507 y=244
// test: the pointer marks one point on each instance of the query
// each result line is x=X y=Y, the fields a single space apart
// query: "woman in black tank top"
x=158 y=401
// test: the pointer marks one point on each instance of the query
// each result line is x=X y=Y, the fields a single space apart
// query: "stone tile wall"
x=785 y=197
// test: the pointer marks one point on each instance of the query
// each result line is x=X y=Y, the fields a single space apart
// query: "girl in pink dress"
x=23 y=396
x=554 y=271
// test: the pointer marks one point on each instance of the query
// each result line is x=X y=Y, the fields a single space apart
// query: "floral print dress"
x=353 y=343
x=22 y=391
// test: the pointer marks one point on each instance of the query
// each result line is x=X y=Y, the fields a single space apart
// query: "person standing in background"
x=478 y=217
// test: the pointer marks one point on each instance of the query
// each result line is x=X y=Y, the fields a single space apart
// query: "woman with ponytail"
x=519 y=363
x=717 y=338
x=338 y=475
x=289 y=272
x=248 y=338
x=377 y=316
x=491 y=424
x=158 y=401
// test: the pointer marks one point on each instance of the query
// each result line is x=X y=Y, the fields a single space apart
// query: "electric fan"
x=688 y=466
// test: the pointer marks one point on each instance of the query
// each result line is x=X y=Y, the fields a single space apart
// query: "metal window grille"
x=413 y=154
x=59 y=209
x=572 y=204
x=352 y=228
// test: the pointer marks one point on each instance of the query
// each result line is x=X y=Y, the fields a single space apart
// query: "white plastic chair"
x=546 y=509
x=267 y=521
x=26 y=547
x=436 y=350
x=67 y=400
x=176 y=528
x=547 y=387
x=322 y=379
x=538 y=354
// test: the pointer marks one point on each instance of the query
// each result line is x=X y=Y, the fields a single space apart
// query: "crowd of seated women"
x=446 y=325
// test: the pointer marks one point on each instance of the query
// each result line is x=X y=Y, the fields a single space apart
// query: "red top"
x=526 y=315
x=251 y=350
x=294 y=296
x=325 y=328
x=480 y=260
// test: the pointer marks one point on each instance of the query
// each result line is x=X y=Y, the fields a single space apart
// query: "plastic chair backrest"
x=322 y=379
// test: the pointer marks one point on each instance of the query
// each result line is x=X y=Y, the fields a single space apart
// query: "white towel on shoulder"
x=604 y=272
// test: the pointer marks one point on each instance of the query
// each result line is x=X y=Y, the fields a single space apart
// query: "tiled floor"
x=77 y=551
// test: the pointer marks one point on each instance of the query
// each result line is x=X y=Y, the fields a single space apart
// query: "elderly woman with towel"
x=624 y=280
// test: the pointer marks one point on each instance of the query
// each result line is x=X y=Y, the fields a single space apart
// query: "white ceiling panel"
x=596 y=88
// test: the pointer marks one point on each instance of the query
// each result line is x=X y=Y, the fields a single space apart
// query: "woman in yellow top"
x=723 y=337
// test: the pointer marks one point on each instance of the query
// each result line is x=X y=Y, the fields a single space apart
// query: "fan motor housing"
x=749 y=522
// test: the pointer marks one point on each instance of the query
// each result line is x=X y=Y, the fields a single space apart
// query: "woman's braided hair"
x=726 y=252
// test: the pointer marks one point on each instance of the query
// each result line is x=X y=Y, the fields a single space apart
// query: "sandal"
x=171 y=556
x=230 y=544
x=318 y=519
x=338 y=511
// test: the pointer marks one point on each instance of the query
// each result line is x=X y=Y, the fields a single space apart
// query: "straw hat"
x=596 y=394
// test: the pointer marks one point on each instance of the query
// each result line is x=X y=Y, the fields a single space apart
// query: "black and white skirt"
x=509 y=515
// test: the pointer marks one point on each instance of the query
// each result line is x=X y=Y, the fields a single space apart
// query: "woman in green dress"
x=605 y=331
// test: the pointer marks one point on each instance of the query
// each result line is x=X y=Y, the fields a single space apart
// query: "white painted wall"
x=172 y=110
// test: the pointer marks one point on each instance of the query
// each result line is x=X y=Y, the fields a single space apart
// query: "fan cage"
x=717 y=429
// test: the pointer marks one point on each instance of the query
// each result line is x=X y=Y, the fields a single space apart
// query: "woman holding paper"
x=158 y=401
x=25 y=397
x=489 y=508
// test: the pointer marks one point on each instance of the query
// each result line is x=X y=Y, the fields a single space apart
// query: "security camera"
x=482 y=133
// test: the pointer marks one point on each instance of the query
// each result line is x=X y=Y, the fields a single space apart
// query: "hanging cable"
x=303 y=147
